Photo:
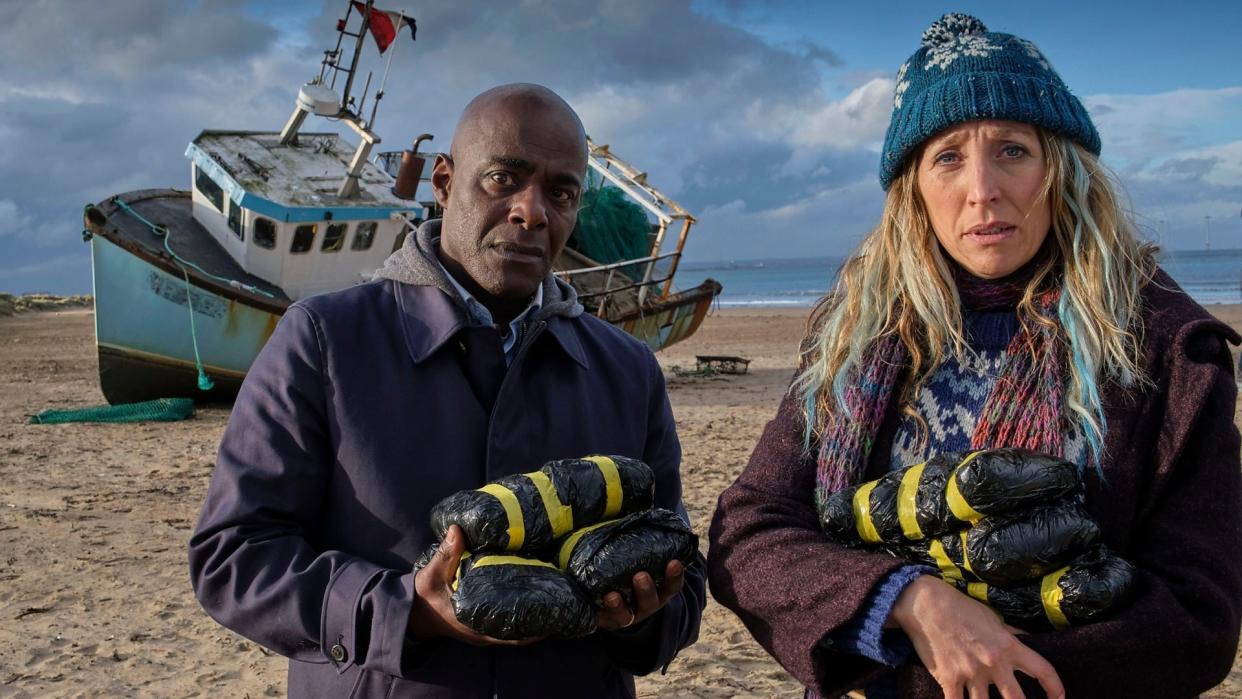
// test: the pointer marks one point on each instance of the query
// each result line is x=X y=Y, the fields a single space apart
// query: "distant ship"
x=189 y=285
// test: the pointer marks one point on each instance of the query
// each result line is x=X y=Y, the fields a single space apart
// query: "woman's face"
x=981 y=182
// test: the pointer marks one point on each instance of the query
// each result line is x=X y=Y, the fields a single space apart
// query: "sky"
x=764 y=119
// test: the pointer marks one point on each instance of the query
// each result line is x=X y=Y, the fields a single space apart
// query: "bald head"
x=510 y=106
x=510 y=188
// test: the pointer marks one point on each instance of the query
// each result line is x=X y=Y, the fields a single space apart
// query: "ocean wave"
x=766 y=303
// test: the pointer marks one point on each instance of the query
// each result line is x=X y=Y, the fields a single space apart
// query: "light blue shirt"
x=479 y=314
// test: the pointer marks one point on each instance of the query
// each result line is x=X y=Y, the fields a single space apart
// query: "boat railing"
x=667 y=212
x=615 y=269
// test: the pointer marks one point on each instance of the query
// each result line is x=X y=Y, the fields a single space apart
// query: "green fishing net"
x=611 y=227
x=159 y=410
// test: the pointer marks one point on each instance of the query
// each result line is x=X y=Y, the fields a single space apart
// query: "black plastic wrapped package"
x=903 y=505
x=518 y=513
x=526 y=512
x=945 y=553
x=605 y=557
x=513 y=597
x=836 y=517
x=1000 y=481
x=1009 y=549
x=1089 y=588
x=597 y=488
x=944 y=494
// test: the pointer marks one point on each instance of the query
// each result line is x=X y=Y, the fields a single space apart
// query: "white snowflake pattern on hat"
x=943 y=55
x=1034 y=53
x=902 y=85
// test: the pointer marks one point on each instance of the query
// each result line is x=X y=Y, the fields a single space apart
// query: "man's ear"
x=442 y=179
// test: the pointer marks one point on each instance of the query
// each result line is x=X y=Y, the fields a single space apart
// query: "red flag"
x=385 y=25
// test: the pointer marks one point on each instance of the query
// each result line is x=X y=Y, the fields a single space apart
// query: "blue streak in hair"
x=1090 y=392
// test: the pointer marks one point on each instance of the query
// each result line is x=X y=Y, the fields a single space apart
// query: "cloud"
x=43 y=267
x=827 y=221
x=1220 y=166
x=1137 y=129
x=678 y=93
x=1177 y=155
x=11 y=220
x=772 y=145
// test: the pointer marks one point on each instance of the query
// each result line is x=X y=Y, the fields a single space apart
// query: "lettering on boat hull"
x=204 y=304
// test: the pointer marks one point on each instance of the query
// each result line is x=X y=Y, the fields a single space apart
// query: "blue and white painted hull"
x=146 y=344
x=147 y=347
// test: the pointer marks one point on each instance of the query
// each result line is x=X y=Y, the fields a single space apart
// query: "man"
x=465 y=360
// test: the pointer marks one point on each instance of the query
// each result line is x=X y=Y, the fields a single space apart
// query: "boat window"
x=364 y=235
x=400 y=241
x=334 y=237
x=235 y=222
x=304 y=238
x=265 y=233
x=209 y=189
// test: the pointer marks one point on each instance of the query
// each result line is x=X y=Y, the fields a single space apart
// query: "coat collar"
x=430 y=318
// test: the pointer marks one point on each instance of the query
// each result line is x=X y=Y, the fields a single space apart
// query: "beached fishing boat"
x=189 y=284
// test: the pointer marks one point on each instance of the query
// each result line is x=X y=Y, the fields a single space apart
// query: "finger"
x=674 y=580
x=978 y=689
x=1008 y=687
x=448 y=555
x=951 y=690
x=613 y=601
x=1034 y=664
x=646 y=599
x=615 y=613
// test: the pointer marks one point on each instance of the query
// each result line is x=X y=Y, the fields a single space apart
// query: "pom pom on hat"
x=963 y=72
x=948 y=28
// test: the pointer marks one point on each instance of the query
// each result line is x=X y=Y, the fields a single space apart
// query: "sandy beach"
x=94 y=519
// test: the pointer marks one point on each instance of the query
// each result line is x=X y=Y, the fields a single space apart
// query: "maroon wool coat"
x=1171 y=504
x=367 y=407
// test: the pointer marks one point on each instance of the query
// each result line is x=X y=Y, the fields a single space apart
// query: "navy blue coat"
x=365 y=408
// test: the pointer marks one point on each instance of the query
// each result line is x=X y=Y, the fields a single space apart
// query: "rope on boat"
x=161 y=231
x=204 y=381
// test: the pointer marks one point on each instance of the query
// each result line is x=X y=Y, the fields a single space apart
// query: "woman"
x=1003 y=300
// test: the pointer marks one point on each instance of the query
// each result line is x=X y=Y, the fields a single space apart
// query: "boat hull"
x=671 y=320
x=144 y=336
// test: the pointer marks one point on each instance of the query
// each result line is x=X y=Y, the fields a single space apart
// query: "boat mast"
x=317 y=98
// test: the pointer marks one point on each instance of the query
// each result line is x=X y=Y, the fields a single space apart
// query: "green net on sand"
x=159 y=410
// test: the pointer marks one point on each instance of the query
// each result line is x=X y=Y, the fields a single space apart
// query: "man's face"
x=510 y=197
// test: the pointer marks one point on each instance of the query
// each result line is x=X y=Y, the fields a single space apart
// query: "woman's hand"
x=965 y=646
x=432 y=613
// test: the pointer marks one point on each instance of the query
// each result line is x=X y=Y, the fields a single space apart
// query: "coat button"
x=337 y=652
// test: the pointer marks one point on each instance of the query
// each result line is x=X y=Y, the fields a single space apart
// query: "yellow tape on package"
x=513 y=512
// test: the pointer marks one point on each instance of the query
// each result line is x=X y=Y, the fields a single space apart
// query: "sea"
x=1209 y=276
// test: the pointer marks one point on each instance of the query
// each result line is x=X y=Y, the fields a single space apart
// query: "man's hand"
x=965 y=646
x=647 y=599
x=432 y=613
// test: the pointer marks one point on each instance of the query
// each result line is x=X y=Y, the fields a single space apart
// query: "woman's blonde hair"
x=899 y=281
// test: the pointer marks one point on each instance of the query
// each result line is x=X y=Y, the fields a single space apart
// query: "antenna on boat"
x=316 y=97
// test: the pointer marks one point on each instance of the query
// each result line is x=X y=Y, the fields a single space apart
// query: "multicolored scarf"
x=1023 y=409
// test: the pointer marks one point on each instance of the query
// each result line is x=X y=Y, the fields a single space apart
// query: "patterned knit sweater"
x=952 y=398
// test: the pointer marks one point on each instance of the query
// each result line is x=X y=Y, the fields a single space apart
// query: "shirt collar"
x=481 y=316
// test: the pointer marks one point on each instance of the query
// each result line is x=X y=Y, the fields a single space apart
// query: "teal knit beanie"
x=963 y=72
